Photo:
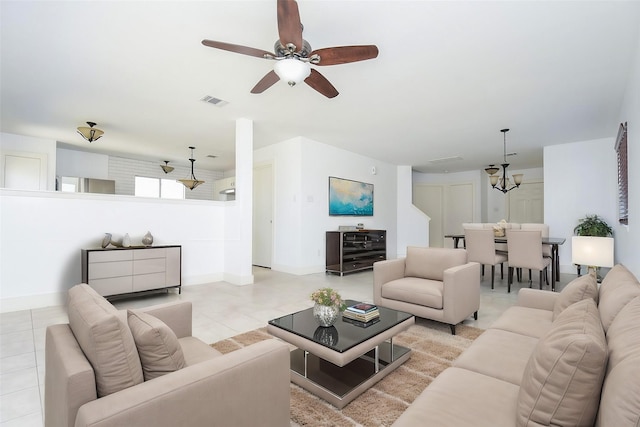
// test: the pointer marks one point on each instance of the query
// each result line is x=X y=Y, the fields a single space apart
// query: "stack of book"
x=362 y=314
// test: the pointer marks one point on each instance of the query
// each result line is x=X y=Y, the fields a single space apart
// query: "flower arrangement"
x=328 y=297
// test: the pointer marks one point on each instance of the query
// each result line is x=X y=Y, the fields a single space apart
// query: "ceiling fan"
x=293 y=54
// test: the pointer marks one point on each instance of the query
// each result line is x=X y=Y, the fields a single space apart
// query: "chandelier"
x=502 y=183
x=192 y=182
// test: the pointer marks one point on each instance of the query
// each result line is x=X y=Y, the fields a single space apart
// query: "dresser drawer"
x=145 y=266
x=143 y=282
x=149 y=253
x=112 y=285
x=108 y=256
x=101 y=270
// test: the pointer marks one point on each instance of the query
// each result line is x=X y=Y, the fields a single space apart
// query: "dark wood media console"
x=349 y=251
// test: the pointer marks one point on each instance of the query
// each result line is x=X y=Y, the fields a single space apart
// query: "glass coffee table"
x=340 y=362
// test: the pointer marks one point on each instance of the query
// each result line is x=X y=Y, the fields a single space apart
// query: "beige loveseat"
x=432 y=283
x=554 y=359
x=143 y=368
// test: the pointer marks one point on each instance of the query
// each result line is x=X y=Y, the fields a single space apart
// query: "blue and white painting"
x=348 y=197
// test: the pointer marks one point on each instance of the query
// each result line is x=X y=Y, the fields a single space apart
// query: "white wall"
x=42 y=233
x=12 y=142
x=239 y=213
x=412 y=223
x=580 y=179
x=301 y=171
x=627 y=237
x=82 y=164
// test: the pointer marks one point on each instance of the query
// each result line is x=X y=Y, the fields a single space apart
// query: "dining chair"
x=546 y=249
x=481 y=248
x=525 y=251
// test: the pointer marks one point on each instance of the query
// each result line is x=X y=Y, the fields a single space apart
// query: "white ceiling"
x=449 y=76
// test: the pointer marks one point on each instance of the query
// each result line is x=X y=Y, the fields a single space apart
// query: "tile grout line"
x=35 y=355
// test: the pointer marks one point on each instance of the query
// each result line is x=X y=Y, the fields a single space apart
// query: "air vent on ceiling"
x=215 y=101
x=446 y=159
x=211 y=156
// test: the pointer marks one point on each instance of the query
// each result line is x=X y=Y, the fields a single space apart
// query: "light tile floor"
x=220 y=310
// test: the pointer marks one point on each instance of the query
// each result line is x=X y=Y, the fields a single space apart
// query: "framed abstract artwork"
x=350 y=198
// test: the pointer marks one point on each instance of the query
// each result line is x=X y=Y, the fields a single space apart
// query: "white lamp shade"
x=292 y=71
x=592 y=251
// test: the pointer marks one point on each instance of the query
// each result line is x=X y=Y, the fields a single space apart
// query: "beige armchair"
x=432 y=283
x=99 y=369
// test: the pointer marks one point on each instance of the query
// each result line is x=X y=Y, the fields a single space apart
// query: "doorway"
x=526 y=204
x=448 y=206
x=262 y=215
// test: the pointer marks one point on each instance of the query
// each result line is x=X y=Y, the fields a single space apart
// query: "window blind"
x=623 y=176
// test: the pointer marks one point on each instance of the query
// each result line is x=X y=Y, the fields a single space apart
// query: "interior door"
x=459 y=207
x=23 y=171
x=526 y=204
x=430 y=200
x=262 y=215
x=448 y=205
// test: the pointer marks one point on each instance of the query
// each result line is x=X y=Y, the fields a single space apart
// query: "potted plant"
x=328 y=305
x=593 y=225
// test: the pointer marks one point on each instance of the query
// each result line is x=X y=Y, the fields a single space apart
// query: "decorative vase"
x=126 y=241
x=147 y=240
x=325 y=315
x=106 y=241
x=327 y=336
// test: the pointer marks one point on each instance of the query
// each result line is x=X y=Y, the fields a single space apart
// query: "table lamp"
x=592 y=251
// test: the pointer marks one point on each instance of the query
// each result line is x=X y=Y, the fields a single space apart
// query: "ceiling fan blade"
x=289 y=25
x=321 y=84
x=237 y=48
x=345 y=54
x=266 y=82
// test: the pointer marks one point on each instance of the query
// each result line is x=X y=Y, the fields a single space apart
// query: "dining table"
x=554 y=242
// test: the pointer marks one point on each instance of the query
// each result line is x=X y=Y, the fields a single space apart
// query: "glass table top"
x=343 y=335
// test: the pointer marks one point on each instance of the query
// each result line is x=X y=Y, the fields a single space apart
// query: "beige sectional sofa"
x=554 y=359
x=143 y=368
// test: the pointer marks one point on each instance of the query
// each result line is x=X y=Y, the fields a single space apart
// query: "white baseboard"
x=301 y=271
x=235 y=279
x=32 y=301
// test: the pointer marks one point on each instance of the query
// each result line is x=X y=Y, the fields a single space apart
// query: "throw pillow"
x=562 y=381
x=105 y=340
x=618 y=287
x=158 y=346
x=577 y=290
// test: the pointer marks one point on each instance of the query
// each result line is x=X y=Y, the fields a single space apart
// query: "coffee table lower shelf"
x=340 y=385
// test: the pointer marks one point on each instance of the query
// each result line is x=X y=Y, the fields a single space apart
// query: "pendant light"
x=192 y=182
x=166 y=168
x=502 y=183
x=90 y=133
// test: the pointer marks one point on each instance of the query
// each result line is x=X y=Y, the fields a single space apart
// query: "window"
x=160 y=188
x=623 y=176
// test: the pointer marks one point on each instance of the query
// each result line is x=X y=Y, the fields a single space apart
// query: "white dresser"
x=120 y=271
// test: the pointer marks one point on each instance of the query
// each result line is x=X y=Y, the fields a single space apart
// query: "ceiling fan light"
x=292 y=71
